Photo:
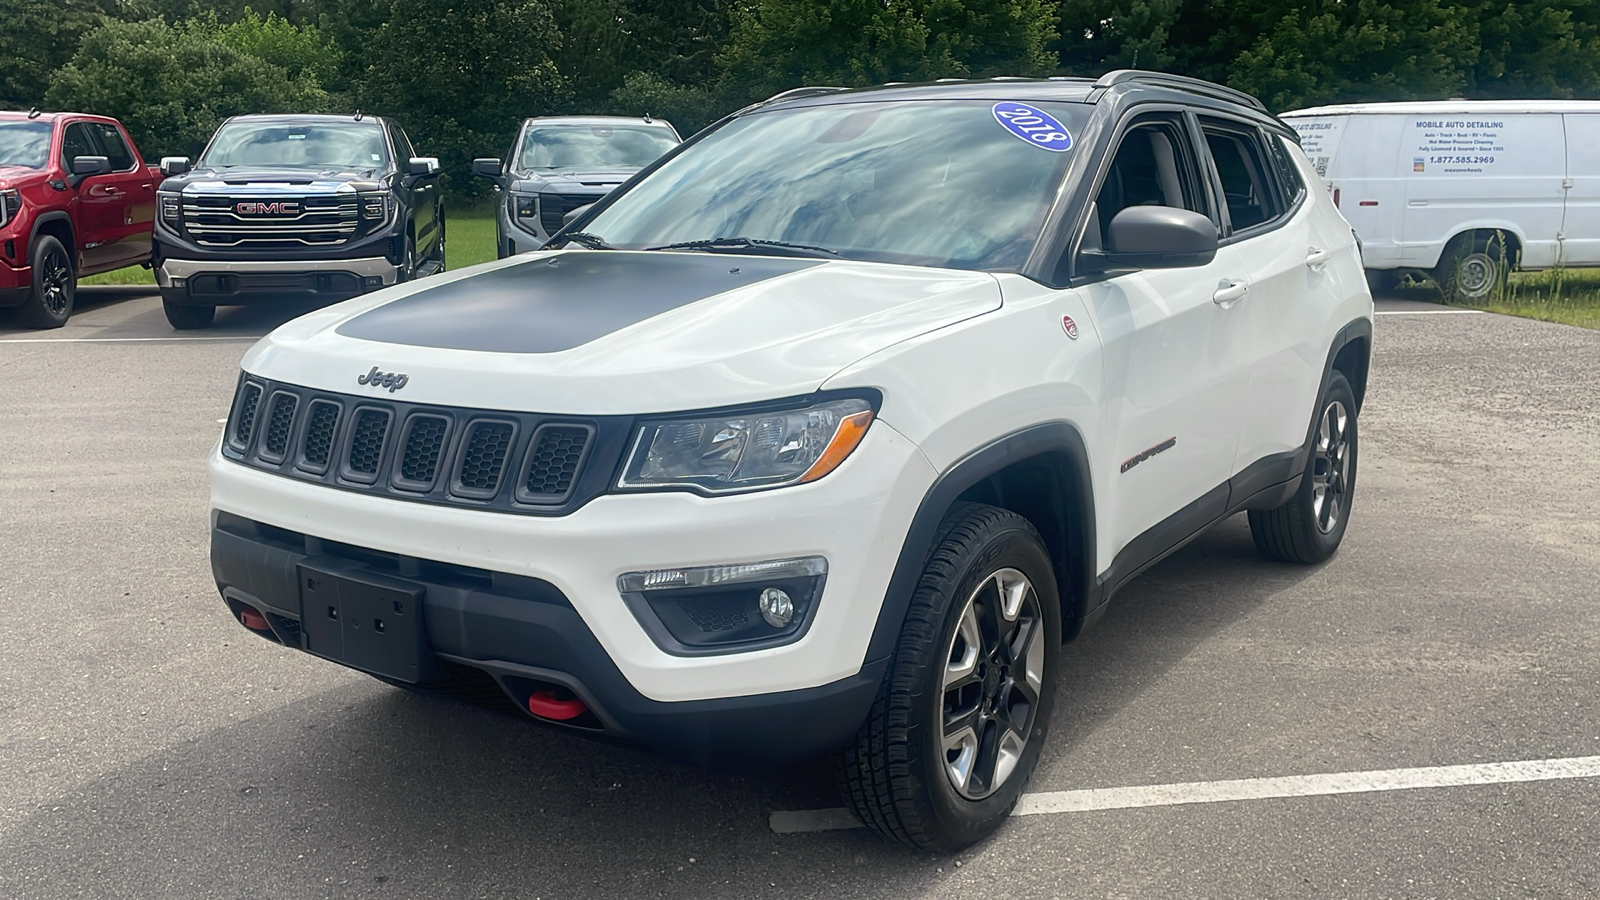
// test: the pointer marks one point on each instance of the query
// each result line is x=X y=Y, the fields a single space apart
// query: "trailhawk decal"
x=560 y=302
x=1033 y=125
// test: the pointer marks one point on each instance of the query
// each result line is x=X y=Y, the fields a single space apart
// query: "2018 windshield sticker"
x=1033 y=125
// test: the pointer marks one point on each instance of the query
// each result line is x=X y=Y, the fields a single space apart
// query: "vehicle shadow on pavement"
x=364 y=790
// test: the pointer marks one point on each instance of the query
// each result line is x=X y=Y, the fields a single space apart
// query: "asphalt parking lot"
x=151 y=747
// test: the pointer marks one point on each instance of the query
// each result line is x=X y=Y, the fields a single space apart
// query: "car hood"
x=298 y=181
x=573 y=180
x=615 y=332
x=16 y=176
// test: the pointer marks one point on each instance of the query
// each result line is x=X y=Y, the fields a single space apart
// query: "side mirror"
x=1160 y=237
x=174 y=165
x=488 y=168
x=85 y=166
x=574 y=214
x=424 y=166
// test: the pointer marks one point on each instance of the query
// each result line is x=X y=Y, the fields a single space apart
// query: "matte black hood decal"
x=560 y=302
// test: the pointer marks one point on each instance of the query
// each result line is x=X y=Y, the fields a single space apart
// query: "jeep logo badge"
x=394 y=381
x=274 y=208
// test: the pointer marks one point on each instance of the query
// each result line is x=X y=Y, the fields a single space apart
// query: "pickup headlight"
x=374 y=205
x=527 y=205
x=744 y=451
x=171 y=204
x=10 y=205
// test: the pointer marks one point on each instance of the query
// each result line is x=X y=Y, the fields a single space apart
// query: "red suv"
x=76 y=198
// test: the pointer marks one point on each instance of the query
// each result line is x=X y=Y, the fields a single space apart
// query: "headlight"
x=746 y=450
x=10 y=205
x=170 y=206
x=527 y=206
x=374 y=204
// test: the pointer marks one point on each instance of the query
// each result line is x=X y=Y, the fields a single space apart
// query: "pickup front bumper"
x=236 y=283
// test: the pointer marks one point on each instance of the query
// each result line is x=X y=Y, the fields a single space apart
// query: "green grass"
x=1567 y=296
x=470 y=241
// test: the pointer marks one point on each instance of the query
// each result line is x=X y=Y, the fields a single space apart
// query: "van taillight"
x=1335 y=198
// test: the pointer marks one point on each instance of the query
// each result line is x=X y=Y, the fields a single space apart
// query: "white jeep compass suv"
x=820 y=435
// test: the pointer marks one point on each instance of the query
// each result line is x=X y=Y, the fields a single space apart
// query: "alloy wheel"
x=993 y=675
x=1330 y=476
x=55 y=276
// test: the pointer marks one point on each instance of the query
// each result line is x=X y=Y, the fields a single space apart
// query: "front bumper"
x=240 y=282
x=15 y=284
x=856 y=519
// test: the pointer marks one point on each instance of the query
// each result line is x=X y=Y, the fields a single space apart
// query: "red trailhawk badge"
x=1070 y=327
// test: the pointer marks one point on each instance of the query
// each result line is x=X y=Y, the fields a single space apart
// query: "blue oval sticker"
x=1033 y=125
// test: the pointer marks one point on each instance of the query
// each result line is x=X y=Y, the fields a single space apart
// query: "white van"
x=1462 y=189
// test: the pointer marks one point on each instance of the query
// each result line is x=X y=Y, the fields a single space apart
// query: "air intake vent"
x=318 y=448
x=553 y=461
x=483 y=459
x=244 y=423
x=422 y=449
x=366 y=444
x=280 y=423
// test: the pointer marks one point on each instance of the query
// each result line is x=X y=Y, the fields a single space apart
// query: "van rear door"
x=1482 y=171
x=1355 y=155
x=1580 y=227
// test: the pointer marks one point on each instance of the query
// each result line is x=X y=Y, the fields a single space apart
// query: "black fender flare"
x=56 y=216
x=1075 y=562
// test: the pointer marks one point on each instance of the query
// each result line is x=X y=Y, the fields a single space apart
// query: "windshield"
x=327 y=145
x=936 y=183
x=593 y=146
x=25 y=144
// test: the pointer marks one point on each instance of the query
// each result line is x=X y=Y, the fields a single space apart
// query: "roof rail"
x=797 y=93
x=1180 y=82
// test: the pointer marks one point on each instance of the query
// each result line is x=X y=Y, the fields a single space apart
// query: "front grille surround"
x=360 y=443
x=319 y=220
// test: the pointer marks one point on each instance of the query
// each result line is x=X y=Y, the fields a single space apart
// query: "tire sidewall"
x=38 y=312
x=967 y=821
x=1338 y=388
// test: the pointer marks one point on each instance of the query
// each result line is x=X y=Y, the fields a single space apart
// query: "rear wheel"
x=185 y=317
x=1473 y=268
x=1309 y=528
x=963 y=711
x=55 y=286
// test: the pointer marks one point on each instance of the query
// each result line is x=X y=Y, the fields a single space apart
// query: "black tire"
x=55 y=286
x=408 y=269
x=184 y=317
x=1473 y=268
x=1309 y=527
x=898 y=777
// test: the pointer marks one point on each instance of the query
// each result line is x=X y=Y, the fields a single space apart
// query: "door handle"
x=1229 y=292
x=113 y=191
x=1317 y=257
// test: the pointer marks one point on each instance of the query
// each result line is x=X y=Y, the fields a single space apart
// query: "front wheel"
x=55 y=286
x=962 y=714
x=1310 y=527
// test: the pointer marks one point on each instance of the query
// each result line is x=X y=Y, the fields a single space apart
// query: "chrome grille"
x=505 y=461
x=232 y=221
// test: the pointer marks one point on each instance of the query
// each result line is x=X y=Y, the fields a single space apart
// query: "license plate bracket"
x=363 y=619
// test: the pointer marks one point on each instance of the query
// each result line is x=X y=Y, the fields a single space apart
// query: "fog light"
x=776 y=607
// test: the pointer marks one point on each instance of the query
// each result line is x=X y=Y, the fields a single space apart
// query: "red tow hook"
x=253 y=620
x=546 y=705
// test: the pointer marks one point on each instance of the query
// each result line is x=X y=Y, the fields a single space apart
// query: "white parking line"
x=1429 y=312
x=126 y=340
x=1051 y=802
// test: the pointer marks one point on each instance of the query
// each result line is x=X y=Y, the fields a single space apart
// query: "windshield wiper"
x=749 y=245
x=586 y=240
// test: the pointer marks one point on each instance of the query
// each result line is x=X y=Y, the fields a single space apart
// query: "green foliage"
x=171 y=86
x=689 y=109
x=460 y=75
x=37 y=37
x=300 y=50
x=779 y=44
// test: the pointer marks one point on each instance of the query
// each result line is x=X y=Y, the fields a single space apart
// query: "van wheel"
x=1310 y=527
x=186 y=318
x=963 y=711
x=55 y=286
x=1471 y=269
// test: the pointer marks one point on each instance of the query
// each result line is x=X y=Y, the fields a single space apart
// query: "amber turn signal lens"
x=851 y=430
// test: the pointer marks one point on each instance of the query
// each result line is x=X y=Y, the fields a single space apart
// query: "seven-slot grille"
x=503 y=460
x=265 y=222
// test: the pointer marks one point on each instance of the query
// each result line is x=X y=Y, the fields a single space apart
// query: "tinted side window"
x=402 y=146
x=1293 y=186
x=116 y=148
x=1241 y=167
x=76 y=141
x=1153 y=166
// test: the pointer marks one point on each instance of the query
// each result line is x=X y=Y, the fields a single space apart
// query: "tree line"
x=460 y=74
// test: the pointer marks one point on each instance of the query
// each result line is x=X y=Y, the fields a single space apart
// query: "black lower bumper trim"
x=523 y=633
